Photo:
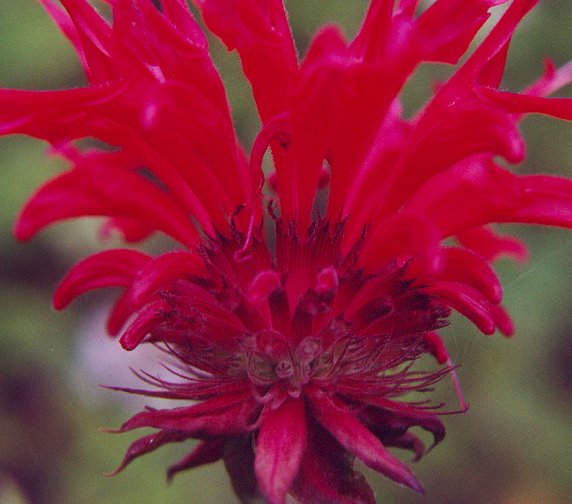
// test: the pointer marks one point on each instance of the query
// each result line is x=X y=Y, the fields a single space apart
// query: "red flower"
x=299 y=300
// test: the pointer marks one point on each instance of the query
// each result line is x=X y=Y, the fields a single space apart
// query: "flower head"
x=301 y=297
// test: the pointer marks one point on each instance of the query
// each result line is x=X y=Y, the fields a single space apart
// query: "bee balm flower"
x=298 y=301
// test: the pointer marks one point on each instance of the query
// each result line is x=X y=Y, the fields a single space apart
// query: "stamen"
x=275 y=129
x=244 y=253
x=457 y=384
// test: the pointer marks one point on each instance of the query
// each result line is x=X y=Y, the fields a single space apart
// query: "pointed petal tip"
x=405 y=477
x=115 y=472
x=416 y=486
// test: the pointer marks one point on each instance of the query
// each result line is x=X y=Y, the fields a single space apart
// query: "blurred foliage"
x=511 y=447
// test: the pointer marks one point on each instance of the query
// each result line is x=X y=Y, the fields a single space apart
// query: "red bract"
x=301 y=299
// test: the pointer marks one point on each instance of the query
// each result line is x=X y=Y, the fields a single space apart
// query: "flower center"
x=304 y=314
x=270 y=360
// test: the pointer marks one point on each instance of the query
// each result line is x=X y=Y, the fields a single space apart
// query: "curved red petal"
x=464 y=266
x=206 y=452
x=467 y=301
x=96 y=191
x=147 y=319
x=492 y=245
x=111 y=268
x=163 y=271
x=148 y=444
x=220 y=416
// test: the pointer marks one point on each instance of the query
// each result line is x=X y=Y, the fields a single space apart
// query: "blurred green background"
x=513 y=446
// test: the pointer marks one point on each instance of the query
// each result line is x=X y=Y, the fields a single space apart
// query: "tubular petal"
x=110 y=268
x=403 y=236
x=96 y=63
x=147 y=319
x=447 y=27
x=516 y=103
x=280 y=445
x=91 y=36
x=478 y=192
x=321 y=93
x=503 y=320
x=163 y=271
x=178 y=13
x=259 y=31
x=465 y=266
x=100 y=191
x=492 y=245
x=467 y=301
x=494 y=43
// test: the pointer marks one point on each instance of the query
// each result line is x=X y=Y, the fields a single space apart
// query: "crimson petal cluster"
x=299 y=300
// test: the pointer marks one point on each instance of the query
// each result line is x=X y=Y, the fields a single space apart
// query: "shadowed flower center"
x=270 y=360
